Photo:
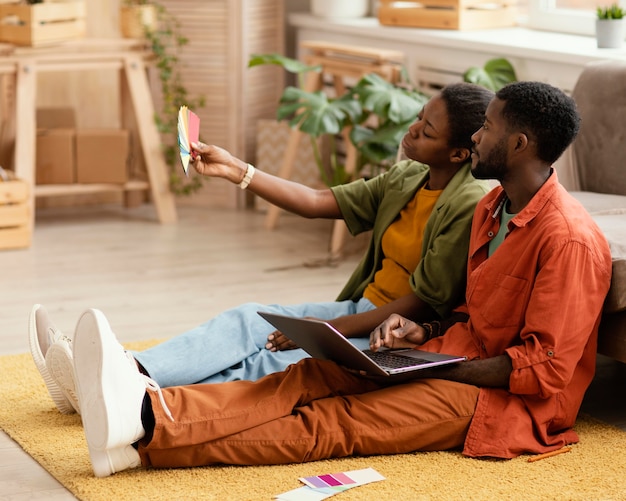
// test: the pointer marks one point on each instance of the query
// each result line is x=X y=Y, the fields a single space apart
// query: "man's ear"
x=459 y=155
x=521 y=142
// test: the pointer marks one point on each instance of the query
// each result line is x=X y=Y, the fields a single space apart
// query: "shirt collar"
x=533 y=207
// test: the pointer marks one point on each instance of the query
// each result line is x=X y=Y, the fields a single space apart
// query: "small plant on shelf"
x=610 y=27
x=613 y=11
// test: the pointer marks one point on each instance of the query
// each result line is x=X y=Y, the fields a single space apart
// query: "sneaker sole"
x=91 y=370
x=62 y=403
x=60 y=365
x=98 y=376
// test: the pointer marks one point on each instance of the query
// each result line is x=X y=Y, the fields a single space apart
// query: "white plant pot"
x=340 y=8
x=610 y=33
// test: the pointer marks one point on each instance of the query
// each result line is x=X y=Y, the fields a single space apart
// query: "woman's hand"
x=397 y=332
x=213 y=161
x=277 y=341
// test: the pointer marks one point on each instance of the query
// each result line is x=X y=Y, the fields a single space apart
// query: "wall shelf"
x=551 y=57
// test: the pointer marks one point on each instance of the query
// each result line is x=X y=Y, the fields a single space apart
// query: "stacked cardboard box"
x=102 y=156
x=66 y=155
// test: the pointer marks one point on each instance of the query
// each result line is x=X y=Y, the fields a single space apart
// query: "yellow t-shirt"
x=402 y=249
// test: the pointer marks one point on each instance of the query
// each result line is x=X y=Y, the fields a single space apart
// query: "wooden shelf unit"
x=19 y=70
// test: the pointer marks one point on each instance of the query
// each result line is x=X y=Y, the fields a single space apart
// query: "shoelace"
x=151 y=385
x=55 y=334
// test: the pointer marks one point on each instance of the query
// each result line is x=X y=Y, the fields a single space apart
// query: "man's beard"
x=494 y=165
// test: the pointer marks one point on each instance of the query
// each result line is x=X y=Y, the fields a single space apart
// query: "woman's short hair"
x=466 y=104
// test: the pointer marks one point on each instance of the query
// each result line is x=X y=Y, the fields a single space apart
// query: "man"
x=538 y=272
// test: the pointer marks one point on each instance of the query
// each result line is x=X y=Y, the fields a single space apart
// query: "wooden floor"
x=155 y=281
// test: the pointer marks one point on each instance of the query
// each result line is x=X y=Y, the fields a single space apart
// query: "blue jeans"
x=231 y=346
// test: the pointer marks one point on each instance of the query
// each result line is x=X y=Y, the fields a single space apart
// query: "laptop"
x=321 y=340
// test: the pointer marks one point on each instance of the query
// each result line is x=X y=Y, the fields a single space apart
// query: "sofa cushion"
x=609 y=212
x=599 y=148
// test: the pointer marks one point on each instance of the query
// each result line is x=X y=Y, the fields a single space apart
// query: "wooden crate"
x=42 y=24
x=15 y=220
x=448 y=14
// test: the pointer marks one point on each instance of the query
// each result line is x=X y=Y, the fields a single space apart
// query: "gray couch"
x=593 y=169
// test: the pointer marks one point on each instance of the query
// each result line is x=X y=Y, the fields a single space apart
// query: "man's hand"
x=397 y=332
x=277 y=341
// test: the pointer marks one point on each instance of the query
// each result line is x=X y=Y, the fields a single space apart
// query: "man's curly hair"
x=544 y=113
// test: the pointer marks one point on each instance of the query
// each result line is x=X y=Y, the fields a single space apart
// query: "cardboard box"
x=448 y=14
x=55 y=159
x=55 y=118
x=15 y=220
x=42 y=24
x=102 y=156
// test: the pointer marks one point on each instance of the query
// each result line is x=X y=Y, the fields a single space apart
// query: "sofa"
x=593 y=169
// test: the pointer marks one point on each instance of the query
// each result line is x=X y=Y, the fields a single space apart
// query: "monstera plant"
x=377 y=112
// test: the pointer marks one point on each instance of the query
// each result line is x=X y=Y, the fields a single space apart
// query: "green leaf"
x=388 y=101
x=314 y=113
x=379 y=146
x=494 y=75
x=290 y=65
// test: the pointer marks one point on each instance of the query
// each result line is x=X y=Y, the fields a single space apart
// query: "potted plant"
x=610 y=27
x=137 y=17
x=379 y=113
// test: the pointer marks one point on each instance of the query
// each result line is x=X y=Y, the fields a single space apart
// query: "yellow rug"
x=592 y=470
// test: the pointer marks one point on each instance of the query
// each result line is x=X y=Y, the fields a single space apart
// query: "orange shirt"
x=402 y=247
x=538 y=298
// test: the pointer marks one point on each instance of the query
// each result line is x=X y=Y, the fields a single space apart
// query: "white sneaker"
x=42 y=334
x=60 y=364
x=111 y=391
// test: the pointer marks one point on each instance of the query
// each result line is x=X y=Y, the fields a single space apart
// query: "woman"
x=419 y=213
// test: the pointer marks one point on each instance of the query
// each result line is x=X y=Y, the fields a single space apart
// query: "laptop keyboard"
x=393 y=360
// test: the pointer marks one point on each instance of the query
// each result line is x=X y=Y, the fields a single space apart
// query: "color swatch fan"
x=188 y=132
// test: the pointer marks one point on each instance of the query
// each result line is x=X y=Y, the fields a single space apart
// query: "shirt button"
x=550 y=353
x=490 y=234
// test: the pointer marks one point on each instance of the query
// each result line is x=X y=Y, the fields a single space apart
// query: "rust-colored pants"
x=313 y=410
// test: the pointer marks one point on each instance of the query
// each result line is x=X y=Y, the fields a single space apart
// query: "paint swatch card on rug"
x=320 y=487
x=188 y=132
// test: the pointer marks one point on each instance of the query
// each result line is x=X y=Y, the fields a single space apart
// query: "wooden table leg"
x=25 y=128
x=151 y=145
